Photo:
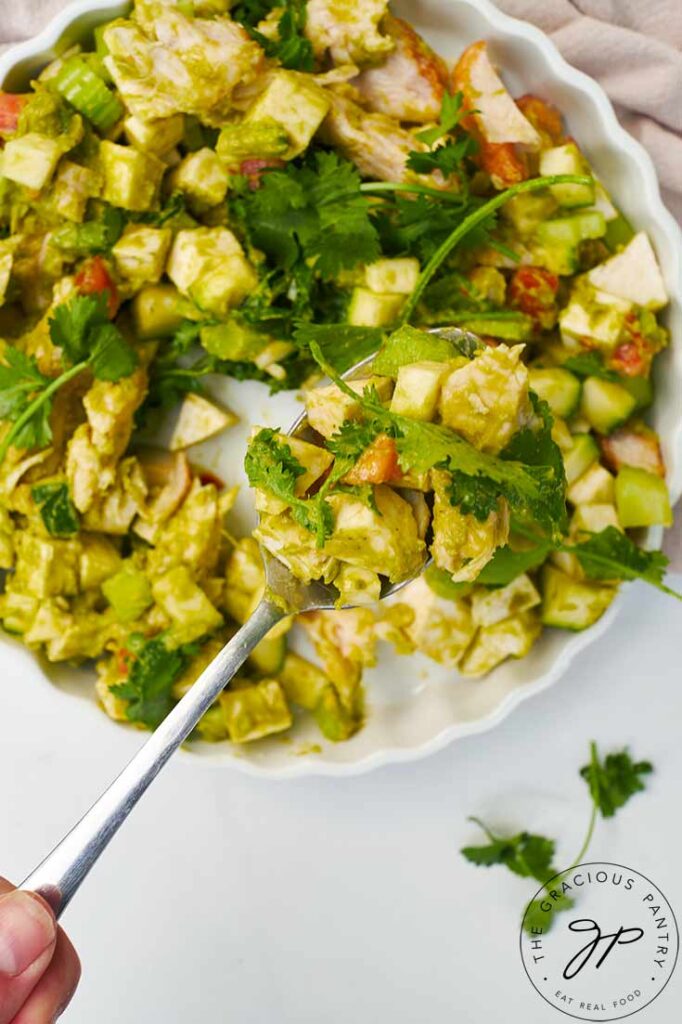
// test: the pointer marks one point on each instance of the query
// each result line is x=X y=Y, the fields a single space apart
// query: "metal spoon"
x=59 y=875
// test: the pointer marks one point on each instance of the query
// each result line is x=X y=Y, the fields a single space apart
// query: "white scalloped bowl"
x=414 y=706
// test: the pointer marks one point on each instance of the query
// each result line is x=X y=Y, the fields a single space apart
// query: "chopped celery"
x=84 y=89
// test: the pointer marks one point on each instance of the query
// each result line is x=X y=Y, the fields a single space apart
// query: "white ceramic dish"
x=415 y=707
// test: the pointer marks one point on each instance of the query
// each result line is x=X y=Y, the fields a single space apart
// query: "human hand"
x=39 y=968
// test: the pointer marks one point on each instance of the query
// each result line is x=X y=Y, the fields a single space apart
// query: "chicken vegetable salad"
x=277 y=192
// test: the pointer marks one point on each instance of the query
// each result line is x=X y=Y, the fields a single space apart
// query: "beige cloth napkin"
x=632 y=47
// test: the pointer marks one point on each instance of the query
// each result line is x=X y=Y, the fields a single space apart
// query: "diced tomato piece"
x=123 y=659
x=633 y=356
x=254 y=169
x=94 y=278
x=378 y=464
x=503 y=163
x=11 y=106
x=533 y=291
x=545 y=118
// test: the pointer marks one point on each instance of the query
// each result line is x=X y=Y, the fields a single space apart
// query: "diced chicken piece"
x=632 y=274
x=110 y=408
x=345 y=642
x=348 y=29
x=510 y=638
x=198 y=420
x=410 y=83
x=192 y=536
x=441 y=629
x=173 y=64
x=637 y=447
x=462 y=544
x=545 y=118
x=114 y=510
x=329 y=407
x=493 y=111
x=88 y=472
x=487 y=399
x=376 y=144
x=168 y=478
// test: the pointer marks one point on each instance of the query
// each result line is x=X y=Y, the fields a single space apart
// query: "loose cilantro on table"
x=82 y=330
x=57 y=510
x=611 y=782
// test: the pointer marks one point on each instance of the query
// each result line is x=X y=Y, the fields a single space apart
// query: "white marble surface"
x=232 y=898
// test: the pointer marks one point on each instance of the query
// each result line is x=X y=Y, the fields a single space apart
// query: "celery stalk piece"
x=84 y=89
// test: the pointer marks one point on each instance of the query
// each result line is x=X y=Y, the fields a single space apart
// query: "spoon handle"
x=57 y=878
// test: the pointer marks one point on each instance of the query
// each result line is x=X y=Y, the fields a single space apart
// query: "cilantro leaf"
x=536 y=920
x=447 y=159
x=590 y=364
x=20 y=381
x=93 y=236
x=315 y=212
x=614 y=780
x=506 y=564
x=344 y=345
x=291 y=47
x=475 y=495
x=529 y=856
x=270 y=464
x=111 y=357
x=612 y=555
x=153 y=671
x=71 y=324
x=57 y=510
x=173 y=213
x=451 y=112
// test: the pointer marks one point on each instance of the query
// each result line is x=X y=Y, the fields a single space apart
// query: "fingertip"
x=27 y=929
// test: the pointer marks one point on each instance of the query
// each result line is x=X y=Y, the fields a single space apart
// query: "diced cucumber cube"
x=528 y=210
x=562 y=231
x=302 y=682
x=202 y=176
x=208 y=264
x=369 y=309
x=570 y=604
x=131 y=178
x=232 y=340
x=296 y=103
x=140 y=253
x=334 y=720
x=31 y=160
x=222 y=287
x=191 y=613
x=521 y=328
x=641 y=389
x=583 y=453
x=396 y=277
x=73 y=186
x=605 y=404
x=567 y=159
x=417 y=390
x=156 y=137
x=559 y=388
x=267 y=657
x=642 y=499
x=252 y=712
x=128 y=593
x=157 y=311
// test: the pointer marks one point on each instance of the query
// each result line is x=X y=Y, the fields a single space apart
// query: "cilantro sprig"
x=611 y=783
x=448 y=158
x=57 y=510
x=534 y=489
x=153 y=667
x=271 y=465
x=291 y=47
x=88 y=340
